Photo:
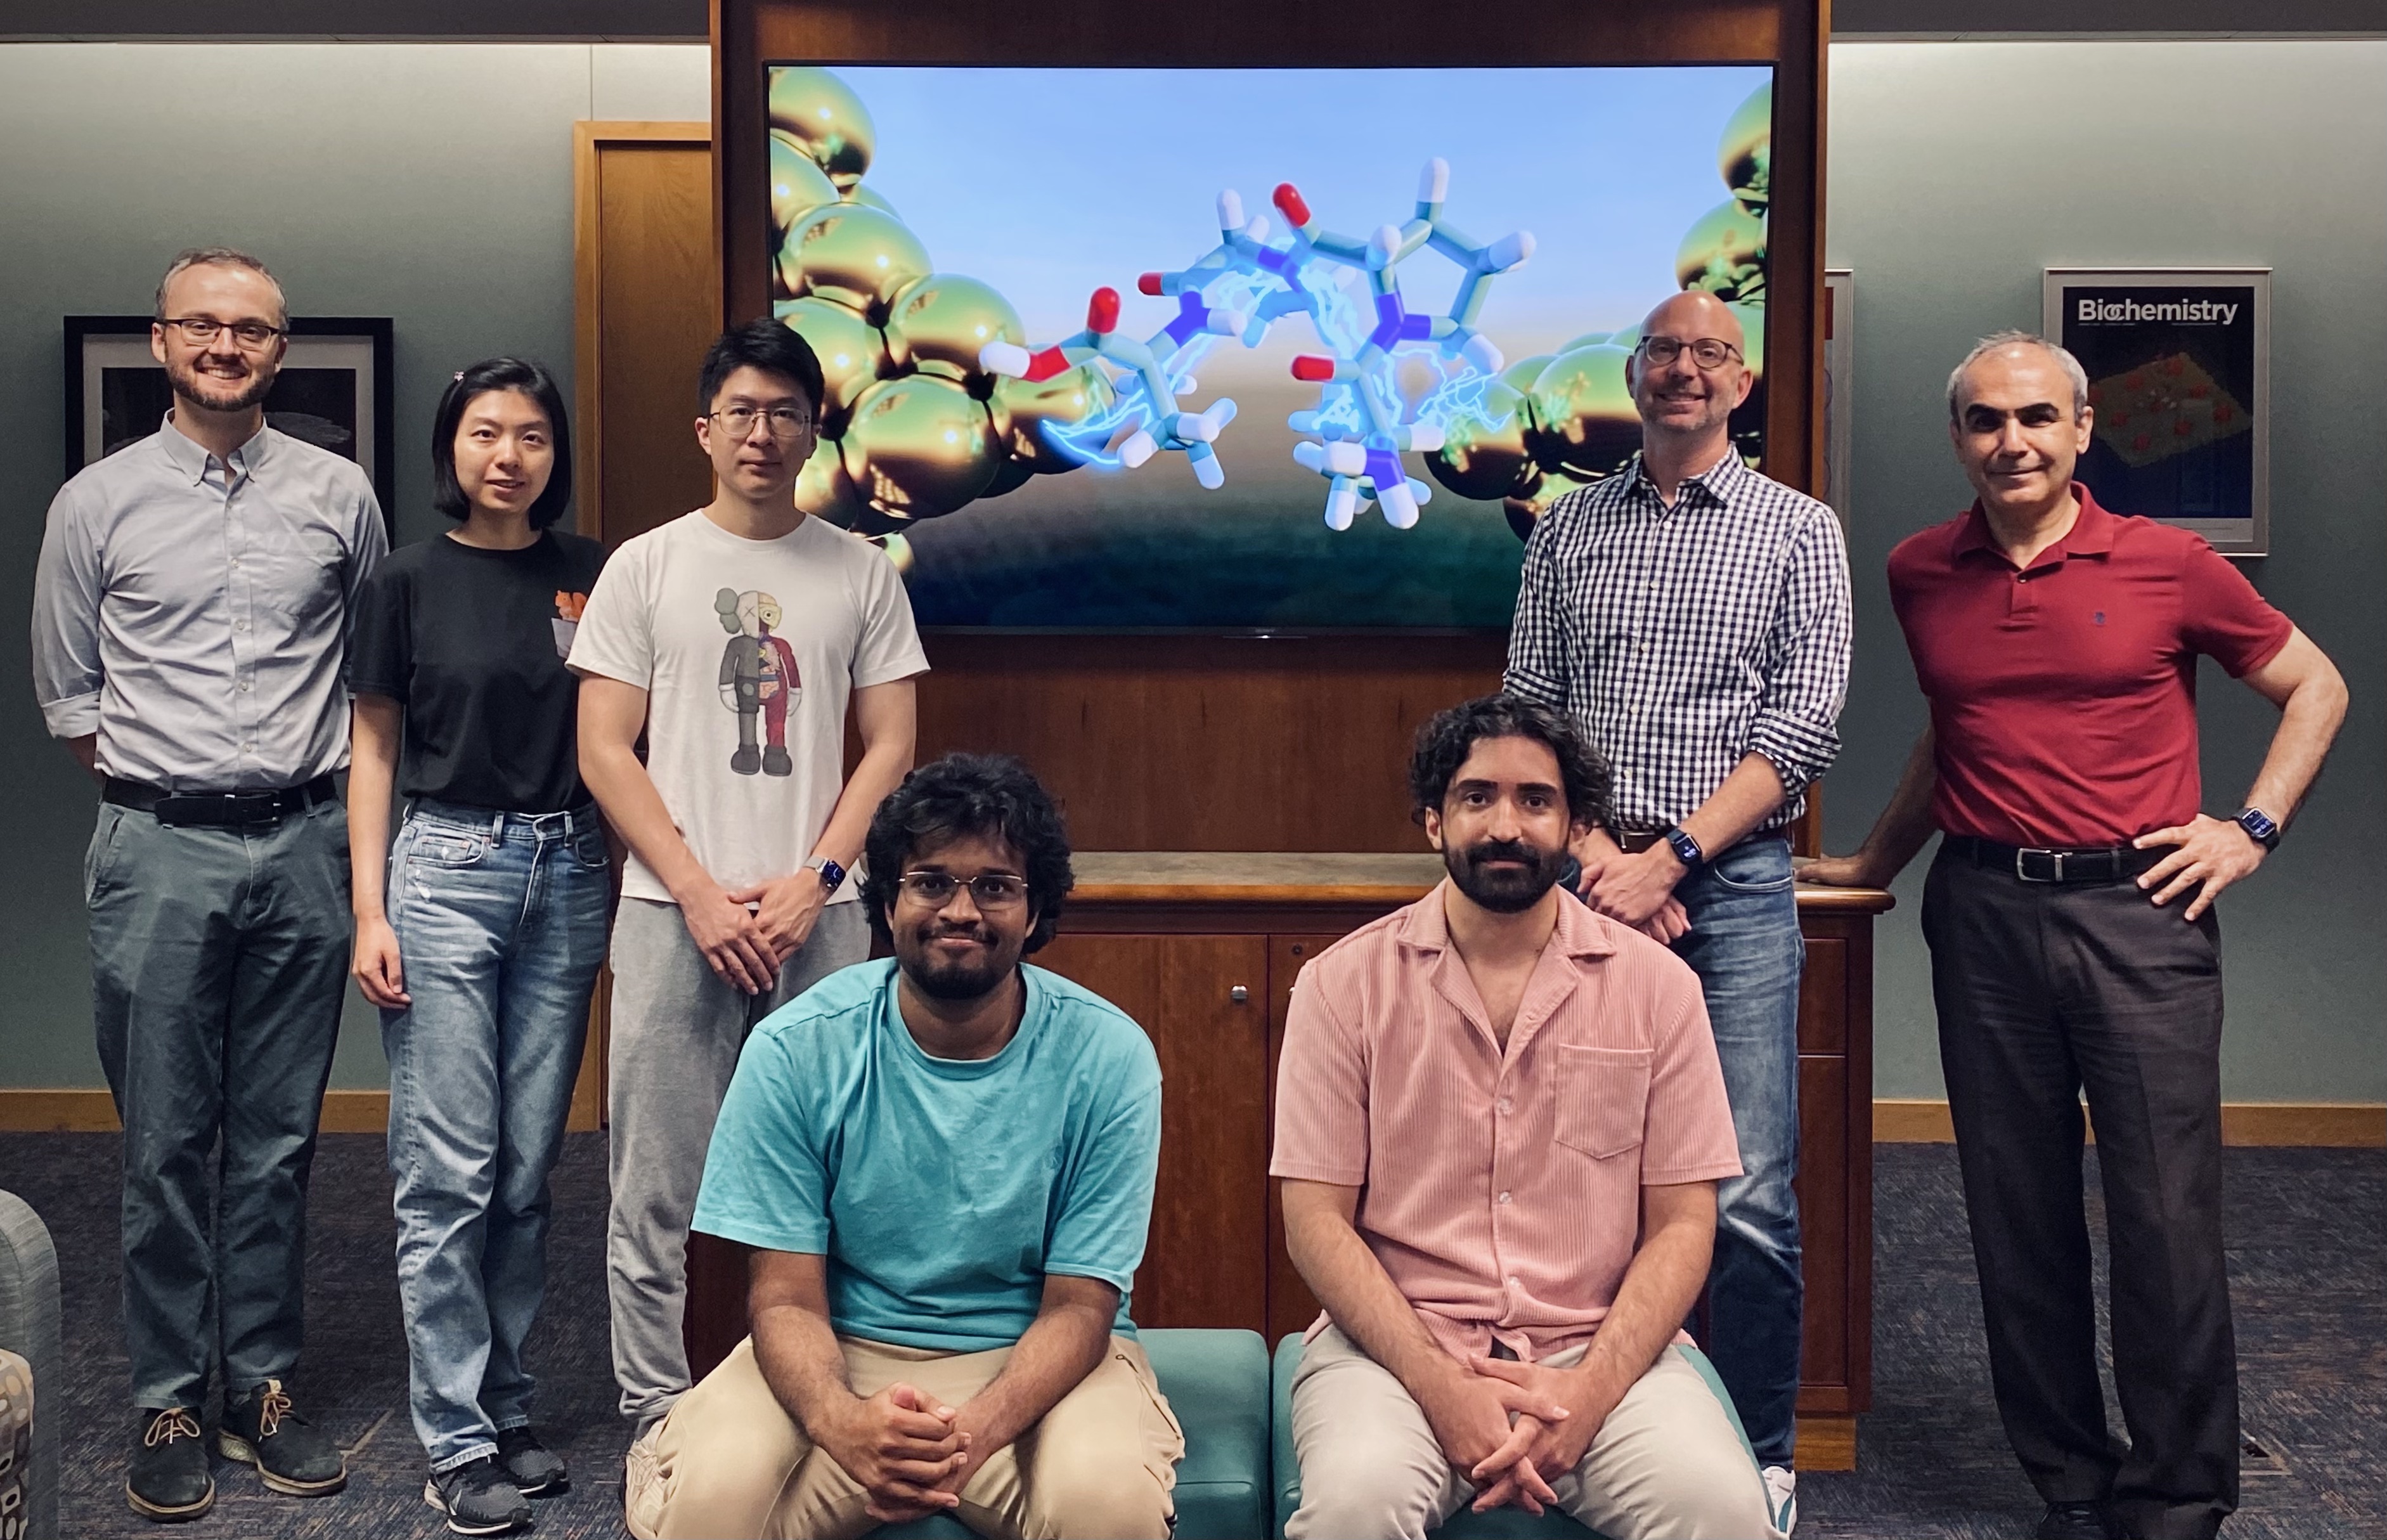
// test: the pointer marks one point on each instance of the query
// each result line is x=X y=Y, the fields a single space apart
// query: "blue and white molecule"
x=1350 y=291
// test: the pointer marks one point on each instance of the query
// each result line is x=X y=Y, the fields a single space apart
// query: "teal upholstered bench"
x=1501 y=1523
x=1218 y=1384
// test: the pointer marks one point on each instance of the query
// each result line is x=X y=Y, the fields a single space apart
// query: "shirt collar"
x=185 y=454
x=2092 y=534
x=1426 y=927
x=1717 y=480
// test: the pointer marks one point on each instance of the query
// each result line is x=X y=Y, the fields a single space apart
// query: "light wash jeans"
x=501 y=921
x=1745 y=945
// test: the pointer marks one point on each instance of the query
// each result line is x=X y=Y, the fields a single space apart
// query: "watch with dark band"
x=2258 y=827
x=1687 y=849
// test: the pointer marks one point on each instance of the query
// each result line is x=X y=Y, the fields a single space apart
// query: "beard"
x=955 y=979
x=216 y=393
x=1500 y=890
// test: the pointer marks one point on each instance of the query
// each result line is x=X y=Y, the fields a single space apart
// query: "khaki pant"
x=1666 y=1465
x=730 y=1463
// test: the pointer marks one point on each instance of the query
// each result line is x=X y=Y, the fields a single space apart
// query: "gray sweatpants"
x=676 y=1030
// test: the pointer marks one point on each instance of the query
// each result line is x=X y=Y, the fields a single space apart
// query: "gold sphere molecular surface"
x=937 y=324
x=851 y=352
x=798 y=185
x=1024 y=406
x=1583 y=417
x=851 y=252
x=919 y=447
x=822 y=116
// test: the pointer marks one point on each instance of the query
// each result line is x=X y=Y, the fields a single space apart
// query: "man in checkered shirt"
x=1694 y=616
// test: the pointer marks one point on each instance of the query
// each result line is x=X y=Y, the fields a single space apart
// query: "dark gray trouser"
x=2044 y=991
x=219 y=960
x=675 y=1035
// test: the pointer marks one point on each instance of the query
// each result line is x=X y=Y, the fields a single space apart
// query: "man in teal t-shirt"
x=946 y=1164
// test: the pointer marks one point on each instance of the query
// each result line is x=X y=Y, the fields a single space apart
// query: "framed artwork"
x=334 y=391
x=1317 y=368
x=2179 y=377
x=1839 y=400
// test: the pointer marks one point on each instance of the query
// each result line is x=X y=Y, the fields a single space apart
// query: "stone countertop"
x=1182 y=876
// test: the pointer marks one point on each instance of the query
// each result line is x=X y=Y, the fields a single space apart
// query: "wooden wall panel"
x=1208 y=743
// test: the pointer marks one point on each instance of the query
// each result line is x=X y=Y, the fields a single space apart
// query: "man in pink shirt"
x=1501 y=1123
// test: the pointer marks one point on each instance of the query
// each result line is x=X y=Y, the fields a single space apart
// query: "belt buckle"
x=2055 y=865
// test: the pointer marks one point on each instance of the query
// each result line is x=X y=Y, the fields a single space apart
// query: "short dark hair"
x=1444 y=743
x=532 y=380
x=956 y=797
x=770 y=345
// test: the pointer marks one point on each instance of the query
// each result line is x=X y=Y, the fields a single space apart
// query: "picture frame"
x=335 y=390
x=1836 y=401
x=2179 y=362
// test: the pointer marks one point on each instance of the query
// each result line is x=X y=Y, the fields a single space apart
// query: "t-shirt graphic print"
x=759 y=679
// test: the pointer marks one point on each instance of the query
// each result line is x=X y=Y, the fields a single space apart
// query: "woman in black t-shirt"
x=482 y=944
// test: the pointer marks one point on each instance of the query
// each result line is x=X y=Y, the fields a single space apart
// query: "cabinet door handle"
x=1239 y=994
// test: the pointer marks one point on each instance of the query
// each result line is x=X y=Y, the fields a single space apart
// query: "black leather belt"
x=222 y=809
x=2096 y=864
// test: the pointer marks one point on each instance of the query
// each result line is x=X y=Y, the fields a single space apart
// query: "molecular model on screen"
x=1350 y=291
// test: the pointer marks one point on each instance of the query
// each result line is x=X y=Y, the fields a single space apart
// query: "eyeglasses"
x=1708 y=352
x=988 y=891
x=785 y=421
x=253 y=335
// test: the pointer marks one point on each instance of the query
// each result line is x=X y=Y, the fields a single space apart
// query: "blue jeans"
x=1745 y=945
x=500 y=920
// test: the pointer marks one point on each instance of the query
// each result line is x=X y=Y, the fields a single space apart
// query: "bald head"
x=1693 y=314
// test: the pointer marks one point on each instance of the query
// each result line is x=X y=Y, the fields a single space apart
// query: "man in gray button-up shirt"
x=190 y=618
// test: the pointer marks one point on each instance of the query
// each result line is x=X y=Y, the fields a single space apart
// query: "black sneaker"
x=262 y=1429
x=477 y=1498
x=169 y=1480
x=535 y=1470
x=2077 y=1521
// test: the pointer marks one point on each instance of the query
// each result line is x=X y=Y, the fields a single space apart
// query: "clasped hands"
x=905 y=1448
x=747 y=933
x=1513 y=1428
x=1636 y=889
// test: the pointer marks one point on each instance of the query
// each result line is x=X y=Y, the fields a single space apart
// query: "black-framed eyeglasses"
x=202 y=330
x=987 y=889
x=785 y=421
x=1707 y=352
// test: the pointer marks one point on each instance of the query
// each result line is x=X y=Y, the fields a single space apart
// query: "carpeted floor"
x=2308 y=1264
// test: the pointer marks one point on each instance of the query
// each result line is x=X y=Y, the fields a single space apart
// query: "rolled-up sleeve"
x=1797 y=724
x=67 y=671
x=1537 y=644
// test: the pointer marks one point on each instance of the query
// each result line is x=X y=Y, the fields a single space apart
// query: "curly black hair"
x=956 y=797
x=1444 y=743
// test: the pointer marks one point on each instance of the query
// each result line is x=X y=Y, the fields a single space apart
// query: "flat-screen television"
x=1242 y=350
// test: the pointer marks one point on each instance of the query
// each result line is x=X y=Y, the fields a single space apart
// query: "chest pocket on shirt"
x=1603 y=1099
x=299 y=572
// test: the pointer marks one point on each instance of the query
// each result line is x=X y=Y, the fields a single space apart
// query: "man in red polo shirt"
x=2057 y=643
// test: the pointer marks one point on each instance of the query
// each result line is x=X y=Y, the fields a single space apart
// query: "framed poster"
x=334 y=391
x=2179 y=377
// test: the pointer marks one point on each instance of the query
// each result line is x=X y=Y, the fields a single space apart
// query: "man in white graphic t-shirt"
x=734 y=638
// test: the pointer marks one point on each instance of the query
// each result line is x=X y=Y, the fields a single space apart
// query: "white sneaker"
x=1782 y=1498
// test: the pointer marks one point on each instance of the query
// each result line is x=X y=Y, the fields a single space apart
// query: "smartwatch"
x=2258 y=827
x=1687 y=849
x=832 y=876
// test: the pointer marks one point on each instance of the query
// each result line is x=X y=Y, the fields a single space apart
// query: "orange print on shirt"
x=569 y=605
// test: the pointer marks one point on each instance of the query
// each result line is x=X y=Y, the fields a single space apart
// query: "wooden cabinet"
x=1202 y=950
